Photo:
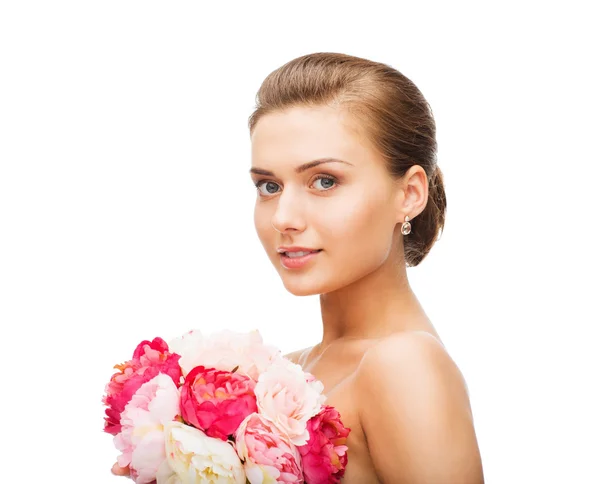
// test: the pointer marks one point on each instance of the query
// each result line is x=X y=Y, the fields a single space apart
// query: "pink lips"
x=295 y=248
x=297 y=262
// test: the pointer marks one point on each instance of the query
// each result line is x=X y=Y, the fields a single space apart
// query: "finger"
x=119 y=471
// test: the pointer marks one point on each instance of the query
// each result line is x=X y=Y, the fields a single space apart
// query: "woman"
x=348 y=195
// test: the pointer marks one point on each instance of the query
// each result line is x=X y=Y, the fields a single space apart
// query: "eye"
x=271 y=187
x=327 y=181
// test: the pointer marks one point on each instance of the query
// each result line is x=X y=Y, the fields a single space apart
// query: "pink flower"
x=268 y=454
x=149 y=359
x=286 y=398
x=216 y=401
x=324 y=456
x=142 y=437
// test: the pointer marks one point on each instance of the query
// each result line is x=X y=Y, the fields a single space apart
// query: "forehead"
x=301 y=134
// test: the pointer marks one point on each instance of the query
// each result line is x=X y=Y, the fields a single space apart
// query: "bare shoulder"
x=411 y=354
x=416 y=360
x=414 y=409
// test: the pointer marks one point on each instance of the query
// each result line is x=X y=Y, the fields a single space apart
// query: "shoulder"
x=414 y=409
x=415 y=361
x=409 y=355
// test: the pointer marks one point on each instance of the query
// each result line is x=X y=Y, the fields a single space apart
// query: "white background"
x=126 y=208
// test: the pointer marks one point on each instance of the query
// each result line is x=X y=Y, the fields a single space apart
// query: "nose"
x=288 y=216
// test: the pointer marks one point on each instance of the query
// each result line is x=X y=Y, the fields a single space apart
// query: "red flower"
x=217 y=401
x=149 y=359
x=324 y=456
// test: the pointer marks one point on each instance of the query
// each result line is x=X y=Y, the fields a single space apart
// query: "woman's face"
x=345 y=209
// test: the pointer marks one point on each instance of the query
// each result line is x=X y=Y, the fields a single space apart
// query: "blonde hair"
x=394 y=114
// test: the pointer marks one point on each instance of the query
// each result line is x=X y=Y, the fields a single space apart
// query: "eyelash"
x=319 y=177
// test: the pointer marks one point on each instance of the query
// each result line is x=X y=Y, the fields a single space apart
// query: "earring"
x=406 y=226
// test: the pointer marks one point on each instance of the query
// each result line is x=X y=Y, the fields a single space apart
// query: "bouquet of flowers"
x=222 y=408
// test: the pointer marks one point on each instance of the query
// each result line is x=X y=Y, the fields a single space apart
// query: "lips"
x=298 y=261
x=295 y=254
x=295 y=248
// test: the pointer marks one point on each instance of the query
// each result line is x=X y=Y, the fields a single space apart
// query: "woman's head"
x=375 y=120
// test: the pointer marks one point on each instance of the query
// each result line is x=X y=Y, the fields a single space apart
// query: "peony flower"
x=142 y=439
x=187 y=345
x=286 y=398
x=149 y=359
x=225 y=350
x=194 y=458
x=269 y=456
x=313 y=383
x=324 y=456
x=216 y=401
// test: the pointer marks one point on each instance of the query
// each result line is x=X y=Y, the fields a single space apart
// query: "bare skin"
x=380 y=359
x=117 y=470
x=383 y=365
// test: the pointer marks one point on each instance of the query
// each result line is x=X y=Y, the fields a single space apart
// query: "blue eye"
x=327 y=183
x=269 y=185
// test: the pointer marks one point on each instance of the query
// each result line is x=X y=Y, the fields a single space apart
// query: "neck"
x=375 y=306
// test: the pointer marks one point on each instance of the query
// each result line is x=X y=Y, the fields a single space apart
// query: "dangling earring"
x=406 y=226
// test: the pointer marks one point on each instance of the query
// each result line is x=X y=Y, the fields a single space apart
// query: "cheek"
x=266 y=233
x=261 y=224
x=359 y=220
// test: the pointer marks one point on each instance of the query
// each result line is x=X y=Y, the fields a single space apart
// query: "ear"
x=413 y=193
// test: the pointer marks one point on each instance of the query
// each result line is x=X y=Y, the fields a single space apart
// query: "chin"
x=302 y=289
x=309 y=286
x=318 y=280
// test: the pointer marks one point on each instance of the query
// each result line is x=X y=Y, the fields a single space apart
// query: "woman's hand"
x=120 y=471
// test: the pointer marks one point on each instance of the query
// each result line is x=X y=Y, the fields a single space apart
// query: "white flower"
x=195 y=458
x=225 y=350
x=186 y=346
x=284 y=397
x=142 y=440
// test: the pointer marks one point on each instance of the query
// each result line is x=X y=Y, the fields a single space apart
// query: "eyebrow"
x=301 y=168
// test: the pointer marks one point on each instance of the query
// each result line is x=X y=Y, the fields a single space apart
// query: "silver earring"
x=406 y=226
